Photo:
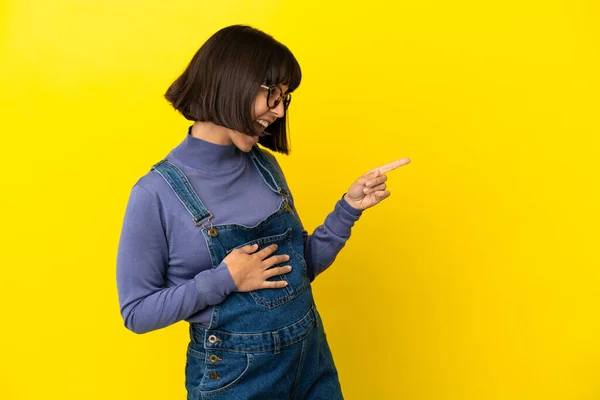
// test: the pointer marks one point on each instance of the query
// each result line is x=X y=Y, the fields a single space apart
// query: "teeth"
x=263 y=123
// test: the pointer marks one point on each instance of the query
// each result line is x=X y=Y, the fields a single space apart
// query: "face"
x=263 y=117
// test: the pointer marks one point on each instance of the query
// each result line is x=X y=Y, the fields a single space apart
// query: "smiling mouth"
x=263 y=122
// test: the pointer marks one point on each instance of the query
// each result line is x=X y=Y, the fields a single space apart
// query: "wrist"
x=351 y=203
x=232 y=275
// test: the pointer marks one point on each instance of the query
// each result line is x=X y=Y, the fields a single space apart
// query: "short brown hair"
x=223 y=79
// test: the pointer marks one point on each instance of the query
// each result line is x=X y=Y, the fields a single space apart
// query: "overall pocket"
x=297 y=278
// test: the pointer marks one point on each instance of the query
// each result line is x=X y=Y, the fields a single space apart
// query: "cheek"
x=260 y=107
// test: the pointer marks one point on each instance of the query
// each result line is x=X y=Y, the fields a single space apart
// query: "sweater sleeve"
x=143 y=257
x=323 y=245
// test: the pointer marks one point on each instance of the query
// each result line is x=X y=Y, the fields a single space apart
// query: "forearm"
x=323 y=245
x=145 y=308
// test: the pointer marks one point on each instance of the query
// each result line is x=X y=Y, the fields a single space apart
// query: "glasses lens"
x=287 y=100
x=274 y=96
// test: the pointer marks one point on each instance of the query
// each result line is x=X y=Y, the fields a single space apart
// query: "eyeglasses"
x=275 y=97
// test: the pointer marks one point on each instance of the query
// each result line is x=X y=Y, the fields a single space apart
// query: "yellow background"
x=478 y=279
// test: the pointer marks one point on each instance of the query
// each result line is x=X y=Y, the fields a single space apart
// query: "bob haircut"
x=224 y=77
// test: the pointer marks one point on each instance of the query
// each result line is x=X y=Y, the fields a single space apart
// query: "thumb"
x=373 y=173
x=370 y=175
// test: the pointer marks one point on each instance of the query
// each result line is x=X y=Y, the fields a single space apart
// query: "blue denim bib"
x=265 y=309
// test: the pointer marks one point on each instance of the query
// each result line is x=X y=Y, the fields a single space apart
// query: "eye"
x=275 y=91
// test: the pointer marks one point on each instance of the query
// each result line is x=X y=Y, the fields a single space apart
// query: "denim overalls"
x=267 y=344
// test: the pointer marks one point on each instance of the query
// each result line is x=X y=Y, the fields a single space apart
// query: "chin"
x=247 y=145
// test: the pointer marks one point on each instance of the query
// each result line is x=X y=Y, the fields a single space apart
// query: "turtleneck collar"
x=208 y=158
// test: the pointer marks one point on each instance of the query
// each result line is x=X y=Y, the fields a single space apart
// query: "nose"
x=279 y=110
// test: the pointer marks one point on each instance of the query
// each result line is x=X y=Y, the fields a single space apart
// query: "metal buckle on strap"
x=202 y=221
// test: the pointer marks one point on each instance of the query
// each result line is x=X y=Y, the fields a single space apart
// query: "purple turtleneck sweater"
x=164 y=272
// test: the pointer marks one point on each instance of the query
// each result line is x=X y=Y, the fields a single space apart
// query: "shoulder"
x=271 y=158
x=151 y=182
x=267 y=153
x=153 y=186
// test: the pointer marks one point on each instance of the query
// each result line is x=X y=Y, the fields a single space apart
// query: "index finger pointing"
x=392 y=166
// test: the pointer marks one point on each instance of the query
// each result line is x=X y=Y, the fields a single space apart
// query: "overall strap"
x=268 y=171
x=184 y=191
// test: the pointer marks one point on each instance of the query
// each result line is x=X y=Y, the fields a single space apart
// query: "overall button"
x=213 y=232
x=213 y=375
x=214 y=358
x=287 y=207
x=213 y=339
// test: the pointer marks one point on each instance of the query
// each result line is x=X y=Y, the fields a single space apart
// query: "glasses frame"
x=287 y=99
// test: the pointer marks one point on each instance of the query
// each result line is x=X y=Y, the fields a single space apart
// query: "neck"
x=207 y=157
x=211 y=133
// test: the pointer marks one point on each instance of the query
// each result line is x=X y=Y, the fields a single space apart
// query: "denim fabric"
x=266 y=344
